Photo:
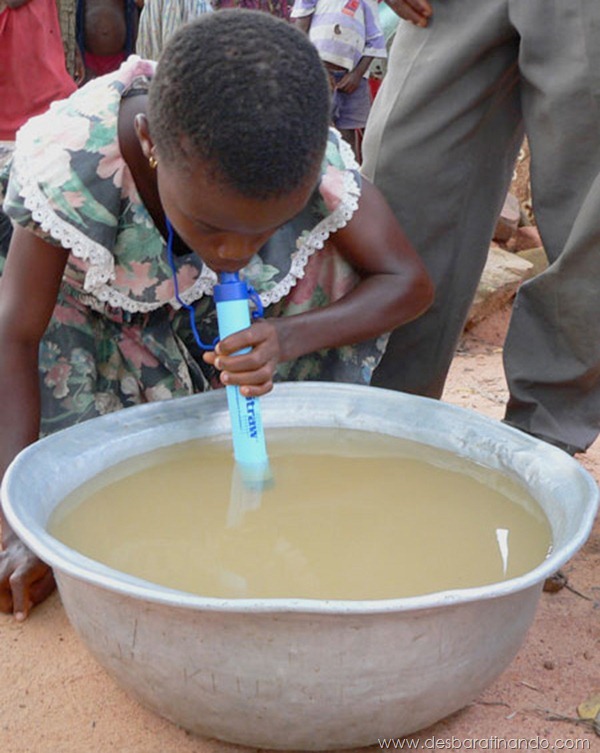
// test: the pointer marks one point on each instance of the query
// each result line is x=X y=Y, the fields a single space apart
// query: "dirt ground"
x=54 y=698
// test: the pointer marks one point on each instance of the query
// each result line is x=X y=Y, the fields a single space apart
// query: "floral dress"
x=118 y=335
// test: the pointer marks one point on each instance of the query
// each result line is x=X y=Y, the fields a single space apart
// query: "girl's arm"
x=28 y=291
x=395 y=288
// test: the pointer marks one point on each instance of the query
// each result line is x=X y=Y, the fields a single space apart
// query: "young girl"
x=220 y=160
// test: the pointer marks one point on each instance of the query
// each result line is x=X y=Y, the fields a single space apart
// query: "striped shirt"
x=343 y=31
x=160 y=19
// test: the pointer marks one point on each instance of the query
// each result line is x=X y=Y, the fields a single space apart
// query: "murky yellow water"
x=349 y=515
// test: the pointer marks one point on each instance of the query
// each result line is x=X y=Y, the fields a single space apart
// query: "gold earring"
x=152 y=161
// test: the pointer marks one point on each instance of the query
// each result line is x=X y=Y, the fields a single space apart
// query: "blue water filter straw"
x=232 y=298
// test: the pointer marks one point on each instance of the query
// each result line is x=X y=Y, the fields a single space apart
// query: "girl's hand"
x=24 y=579
x=252 y=372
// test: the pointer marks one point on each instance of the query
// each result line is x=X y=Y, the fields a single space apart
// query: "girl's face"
x=222 y=227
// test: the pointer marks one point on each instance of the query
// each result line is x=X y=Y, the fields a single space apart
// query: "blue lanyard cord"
x=187 y=306
x=254 y=297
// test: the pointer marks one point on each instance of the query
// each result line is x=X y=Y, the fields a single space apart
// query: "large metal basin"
x=285 y=673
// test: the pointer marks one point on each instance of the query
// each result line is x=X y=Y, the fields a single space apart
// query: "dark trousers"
x=440 y=143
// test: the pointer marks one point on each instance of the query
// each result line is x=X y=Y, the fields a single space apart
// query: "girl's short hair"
x=246 y=93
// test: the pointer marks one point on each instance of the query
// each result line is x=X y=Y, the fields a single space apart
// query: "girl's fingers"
x=255 y=377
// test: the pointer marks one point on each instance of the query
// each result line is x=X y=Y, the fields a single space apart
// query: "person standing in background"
x=348 y=38
x=466 y=80
x=27 y=89
x=106 y=33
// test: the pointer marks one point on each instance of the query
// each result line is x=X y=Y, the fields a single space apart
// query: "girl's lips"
x=223 y=267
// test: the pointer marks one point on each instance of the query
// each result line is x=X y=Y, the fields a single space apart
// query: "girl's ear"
x=142 y=130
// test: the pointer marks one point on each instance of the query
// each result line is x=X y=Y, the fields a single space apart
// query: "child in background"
x=348 y=37
x=219 y=159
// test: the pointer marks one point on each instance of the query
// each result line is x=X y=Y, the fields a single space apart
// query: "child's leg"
x=351 y=113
